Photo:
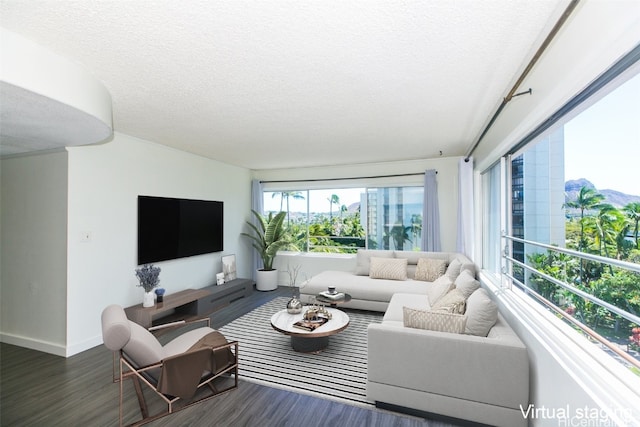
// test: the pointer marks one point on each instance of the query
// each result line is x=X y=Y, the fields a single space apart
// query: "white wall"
x=310 y=264
x=104 y=182
x=54 y=283
x=33 y=281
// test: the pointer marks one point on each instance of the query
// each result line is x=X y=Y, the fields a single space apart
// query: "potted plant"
x=149 y=278
x=268 y=237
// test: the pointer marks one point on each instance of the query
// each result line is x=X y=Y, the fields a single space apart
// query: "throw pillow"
x=433 y=320
x=439 y=288
x=453 y=302
x=363 y=259
x=430 y=269
x=466 y=283
x=453 y=270
x=471 y=267
x=388 y=268
x=482 y=313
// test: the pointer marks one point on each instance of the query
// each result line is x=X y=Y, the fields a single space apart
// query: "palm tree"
x=633 y=213
x=286 y=195
x=587 y=199
x=416 y=227
x=605 y=223
x=333 y=200
x=400 y=234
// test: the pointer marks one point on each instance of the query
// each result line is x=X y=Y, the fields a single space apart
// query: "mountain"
x=613 y=197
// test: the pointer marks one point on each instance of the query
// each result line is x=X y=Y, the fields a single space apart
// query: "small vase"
x=294 y=306
x=149 y=299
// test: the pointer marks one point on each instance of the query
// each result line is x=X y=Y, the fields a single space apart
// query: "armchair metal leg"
x=143 y=404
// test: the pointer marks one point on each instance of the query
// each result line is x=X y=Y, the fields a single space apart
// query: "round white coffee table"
x=309 y=341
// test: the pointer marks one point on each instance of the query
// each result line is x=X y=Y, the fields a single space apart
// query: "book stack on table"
x=332 y=296
x=310 y=325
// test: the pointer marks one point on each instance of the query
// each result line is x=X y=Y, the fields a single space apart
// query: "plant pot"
x=267 y=280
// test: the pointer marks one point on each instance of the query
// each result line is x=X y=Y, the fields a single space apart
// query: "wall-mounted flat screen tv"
x=177 y=228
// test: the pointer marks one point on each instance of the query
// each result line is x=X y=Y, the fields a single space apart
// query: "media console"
x=190 y=304
x=225 y=294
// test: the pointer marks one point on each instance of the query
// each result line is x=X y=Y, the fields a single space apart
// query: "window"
x=572 y=222
x=344 y=219
x=491 y=230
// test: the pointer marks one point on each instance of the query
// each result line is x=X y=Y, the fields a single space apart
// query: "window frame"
x=412 y=181
x=601 y=379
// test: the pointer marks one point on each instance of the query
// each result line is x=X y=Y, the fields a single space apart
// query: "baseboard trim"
x=39 y=345
x=84 y=346
x=428 y=415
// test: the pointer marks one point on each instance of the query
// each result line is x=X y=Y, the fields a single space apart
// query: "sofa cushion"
x=395 y=314
x=433 y=320
x=468 y=266
x=482 y=313
x=388 y=268
x=453 y=269
x=453 y=302
x=466 y=283
x=414 y=256
x=362 y=288
x=430 y=269
x=439 y=288
x=363 y=258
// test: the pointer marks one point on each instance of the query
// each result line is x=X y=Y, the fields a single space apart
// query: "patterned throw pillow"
x=363 y=259
x=388 y=268
x=430 y=269
x=452 y=302
x=433 y=320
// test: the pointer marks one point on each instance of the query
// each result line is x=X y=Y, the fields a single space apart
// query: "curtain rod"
x=342 y=179
x=512 y=93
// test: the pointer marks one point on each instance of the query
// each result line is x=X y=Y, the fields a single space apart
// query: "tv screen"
x=177 y=228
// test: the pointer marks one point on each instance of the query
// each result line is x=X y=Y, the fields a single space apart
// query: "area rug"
x=266 y=356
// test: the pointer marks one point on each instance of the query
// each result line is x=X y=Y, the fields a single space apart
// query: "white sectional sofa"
x=375 y=294
x=482 y=378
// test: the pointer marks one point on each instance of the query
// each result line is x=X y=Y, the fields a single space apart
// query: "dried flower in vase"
x=148 y=276
x=293 y=274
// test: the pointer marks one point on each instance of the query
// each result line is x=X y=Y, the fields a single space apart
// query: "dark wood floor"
x=39 y=389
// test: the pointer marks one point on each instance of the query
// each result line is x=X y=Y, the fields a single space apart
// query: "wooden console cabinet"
x=182 y=305
x=190 y=304
x=225 y=294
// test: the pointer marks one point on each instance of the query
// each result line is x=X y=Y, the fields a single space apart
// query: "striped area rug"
x=266 y=356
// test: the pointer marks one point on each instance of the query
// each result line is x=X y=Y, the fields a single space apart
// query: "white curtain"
x=430 y=213
x=466 y=232
x=256 y=205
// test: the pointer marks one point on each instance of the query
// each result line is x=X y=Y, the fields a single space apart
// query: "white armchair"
x=193 y=367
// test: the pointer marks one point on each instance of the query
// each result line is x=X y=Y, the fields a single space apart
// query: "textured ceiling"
x=279 y=84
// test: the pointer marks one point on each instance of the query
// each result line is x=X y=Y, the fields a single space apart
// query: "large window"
x=345 y=219
x=571 y=238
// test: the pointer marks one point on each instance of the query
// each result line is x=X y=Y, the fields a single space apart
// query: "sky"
x=602 y=144
x=318 y=202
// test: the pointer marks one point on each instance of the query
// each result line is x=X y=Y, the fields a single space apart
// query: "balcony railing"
x=510 y=262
